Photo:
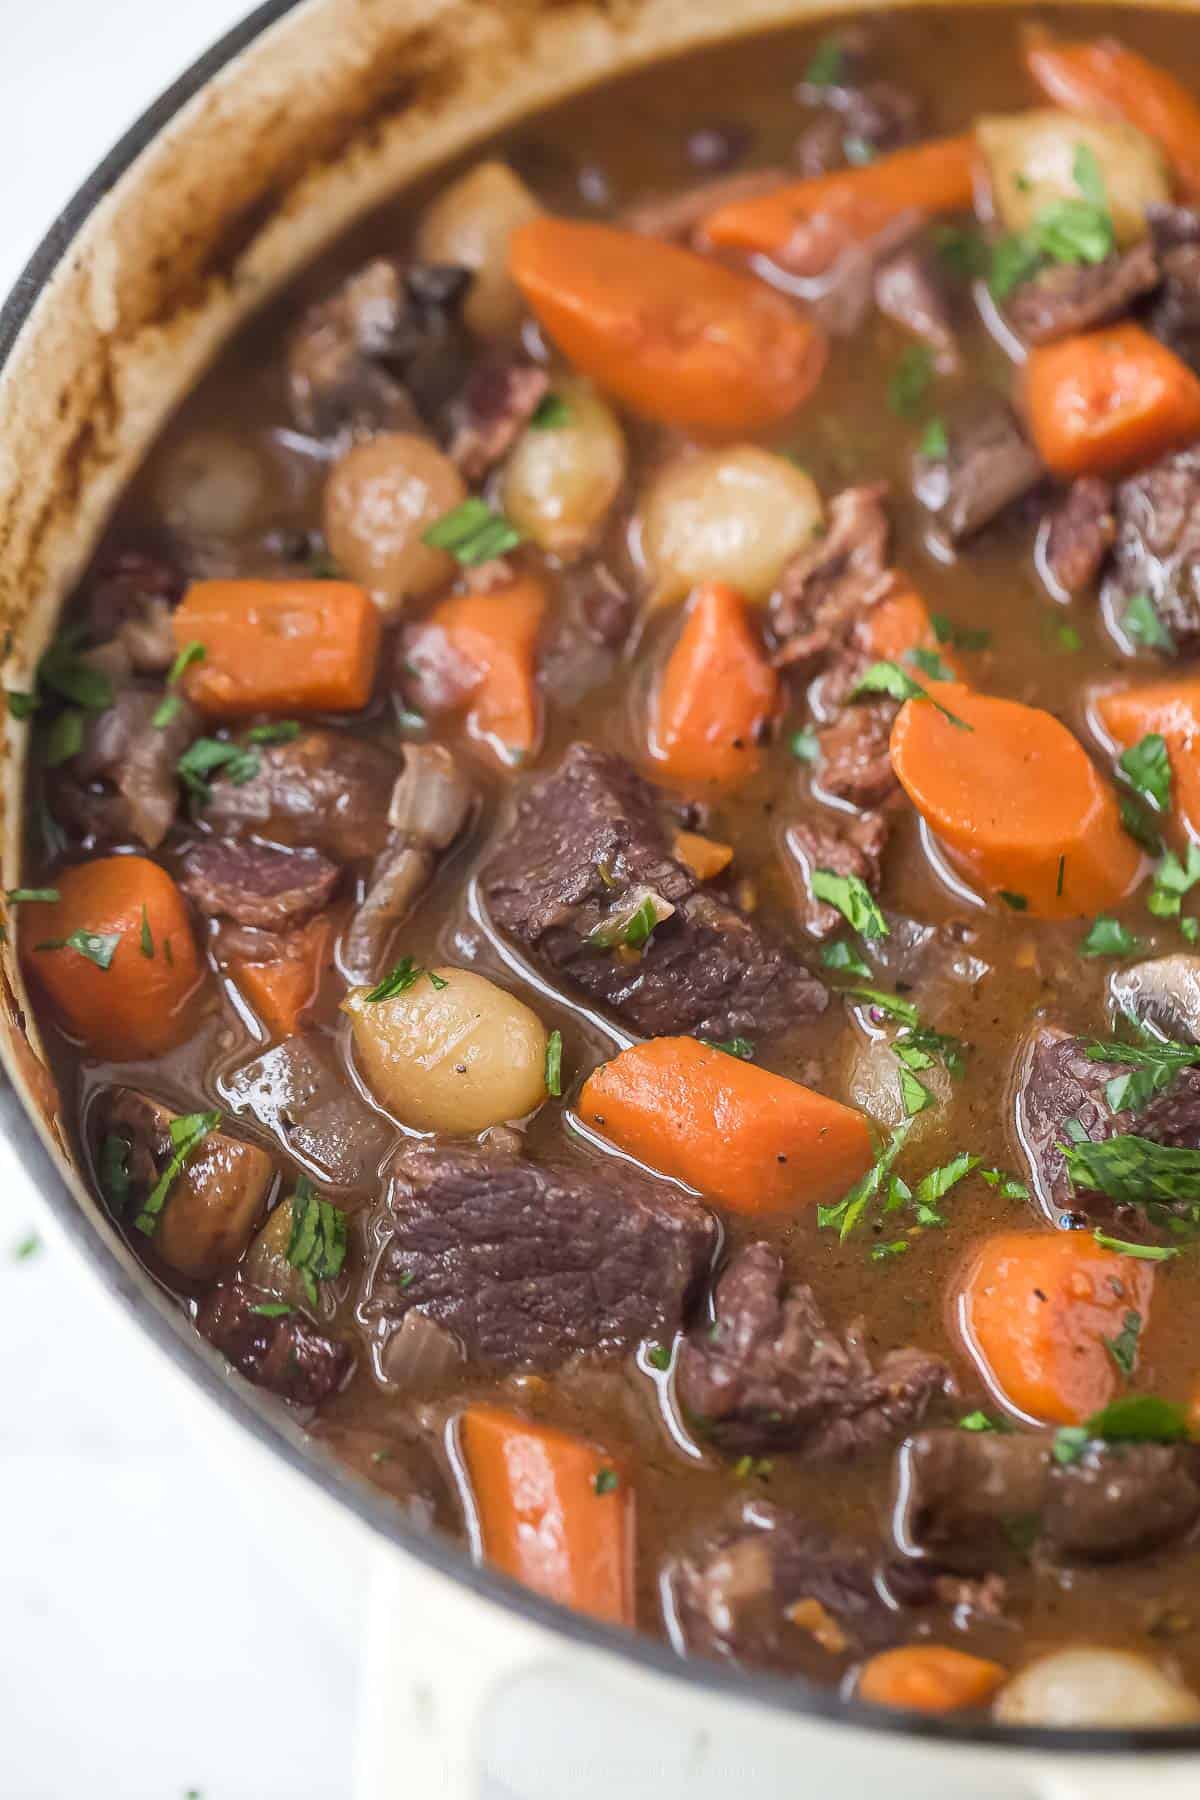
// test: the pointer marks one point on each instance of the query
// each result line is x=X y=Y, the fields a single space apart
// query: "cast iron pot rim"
x=173 y=1336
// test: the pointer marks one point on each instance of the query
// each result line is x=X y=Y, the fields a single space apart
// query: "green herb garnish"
x=910 y=380
x=317 y=1245
x=1135 y=1169
x=805 y=746
x=208 y=755
x=1124 y=1347
x=22 y=896
x=1148 y=769
x=841 y=955
x=889 y=678
x=472 y=533
x=1108 y=937
x=605 y=1481
x=98 y=946
x=187 y=1133
x=282 y=731
x=852 y=898
x=934 y=442
x=554 y=1049
x=552 y=412
x=1142 y=623
x=397 y=981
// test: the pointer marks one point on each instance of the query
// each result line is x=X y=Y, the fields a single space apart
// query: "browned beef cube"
x=528 y=1262
x=254 y=884
x=588 y=837
x=284 y=1353
x=323 y=789
x=1157 y=550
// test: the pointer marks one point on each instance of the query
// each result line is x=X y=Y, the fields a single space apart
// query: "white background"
x=158 y=1633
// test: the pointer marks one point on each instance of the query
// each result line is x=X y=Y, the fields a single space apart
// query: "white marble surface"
x=162 y=1634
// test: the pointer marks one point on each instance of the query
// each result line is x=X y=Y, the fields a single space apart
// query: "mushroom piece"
x=1162 y=995
x=430 y=805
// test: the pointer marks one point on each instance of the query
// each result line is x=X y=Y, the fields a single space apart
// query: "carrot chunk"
x=704 y=856
x=554 y=1512
x=1109 y=401
x=811 y=221
x=488 y=643
x=1102 y=76
x=929 y=1678
x=900 y=624
x=127 y=913
x=1172 y=709
x=753 y=1141
x=1014 y=802
x=1039 y=1312
x=282 y=990
x=717 y=691
x=278 y=646
x=672 y=335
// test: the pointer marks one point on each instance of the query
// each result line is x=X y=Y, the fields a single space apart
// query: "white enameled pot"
x=299 y=121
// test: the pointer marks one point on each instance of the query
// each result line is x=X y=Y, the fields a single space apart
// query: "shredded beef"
x=827 y=587
x=256 y=885
x=285 y=1354
x=852 y=847
x=1080 y=531
x=123 y=783
x=1174 y=316
x=324 y=789
x=855 y=762
x=909 y=289
x=965 y=1495
x=765 y=1589
x=528 y=1263
x=1157 y=549
x=498 y=402
x=587 y=837
x=1069 y=298
x=989 y=465
x=771 y=1374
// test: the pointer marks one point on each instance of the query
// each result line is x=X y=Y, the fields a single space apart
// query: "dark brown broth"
x=625 y=140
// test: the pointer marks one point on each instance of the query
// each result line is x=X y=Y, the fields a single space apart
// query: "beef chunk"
x=856 y=763
x=854 y=847
x=767 y=1589
x=964 y=1494
x=1157 y=550
x=430 y=806
x=385 y=350
x=1072 y=297
x=1079 y=533
x=296 y=1091
x=255 y=885
x=286 y=1355
x=528 y=1263
x=324 y=789
x=130 y=601
x=1062 y=1093
x=988 y=467
x=1175 y=315
x=828 y=587
x=122 y=785
x=909 y=290
x=588 y=837
x=770 y=1374
x=497 y=403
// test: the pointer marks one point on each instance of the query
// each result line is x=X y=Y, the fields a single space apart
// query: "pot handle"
x=434 y=1656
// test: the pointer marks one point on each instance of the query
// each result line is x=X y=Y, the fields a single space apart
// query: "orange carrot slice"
x=929 y=1678
x=1109 y=401
x=279 y=646
x=717 y=692
x=1172 y=709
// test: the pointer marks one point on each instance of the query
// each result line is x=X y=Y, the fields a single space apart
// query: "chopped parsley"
x=64 y=738
x=910 y=380
x=74 y=679
x=659 y=1357
x=316 y=1248
x=1147 y=767
x=26 y=1247
x=1142 y=623
x=272 y=1309
x=1124 y=1347
x=1138 y=822
x=938 y=1183
x=884 y=1252
x=21 y=706
x=1074 y=230
x=847 y=1212
x=472 y=533
x=188 y=1132
x=1018 y=902
x=1130 y=1419
x=825 y=65
x=98 y=946
x=147 y=936
x=191 y=653
x=1140 y=1252
x=841 y=955
x=1108 y=937
x=892 y=1004
x=981 y=1421
x=208 y=755
x=605 y=1481
x=552 y=412
x=929 y=663
x=113 y=1171
x=1155 y=1066
x=890 y=678
x=1006 y=1185
x=280 y=731
x=852 y=898
x=934 y=442
x=1172 y=880
x=1060 y=877
x=805 y=746
x=914 y=1095
x=632 y=921
x=554 y=1049
x=1135 y=1169
x=961 y=637
x=961 y=250
x=23 y=896
x=396 y=981
x=740 y=1047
